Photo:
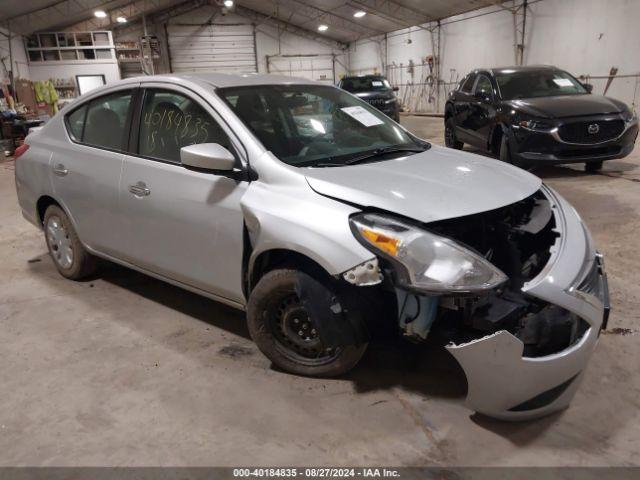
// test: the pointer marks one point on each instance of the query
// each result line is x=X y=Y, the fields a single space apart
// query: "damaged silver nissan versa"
x=319 y=215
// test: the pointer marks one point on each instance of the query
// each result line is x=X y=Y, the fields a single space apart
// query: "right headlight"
x=428 y=262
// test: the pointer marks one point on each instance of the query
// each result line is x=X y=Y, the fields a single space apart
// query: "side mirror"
x=395 y=89
x=588 y=87
x=207 y=156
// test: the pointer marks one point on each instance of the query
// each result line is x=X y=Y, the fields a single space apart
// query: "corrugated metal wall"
x=212 y=48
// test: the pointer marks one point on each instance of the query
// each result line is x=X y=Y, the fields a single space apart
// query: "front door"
x=482 y=112
x=180 y=223
x=85 y=169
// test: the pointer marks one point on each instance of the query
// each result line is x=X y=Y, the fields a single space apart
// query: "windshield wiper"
x=382 y=151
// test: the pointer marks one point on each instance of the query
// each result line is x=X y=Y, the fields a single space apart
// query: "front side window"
x=467 y=85
x=105 y=124
x=542 y=83
x=484 y=85
x=313 y=125
x=171 y=121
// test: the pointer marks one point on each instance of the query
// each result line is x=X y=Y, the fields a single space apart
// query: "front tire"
x=505 y=154
x=69 y=255
x=285 y=333
x=450 y=138
x=593 y=167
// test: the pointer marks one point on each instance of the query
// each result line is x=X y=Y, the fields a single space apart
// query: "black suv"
x=538 y=115
x=376 y=91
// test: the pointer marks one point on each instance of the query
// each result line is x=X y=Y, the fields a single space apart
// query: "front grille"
x=589 y=152
x=594 y=131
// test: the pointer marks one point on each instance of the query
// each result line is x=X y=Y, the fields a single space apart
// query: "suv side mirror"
x=395 y=89
x=207 y=156
x=588 y=87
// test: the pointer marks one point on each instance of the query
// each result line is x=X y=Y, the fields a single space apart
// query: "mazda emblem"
x=593 y=128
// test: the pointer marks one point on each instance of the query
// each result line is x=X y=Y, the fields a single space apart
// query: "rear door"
x=85 y=168
x=180 y=223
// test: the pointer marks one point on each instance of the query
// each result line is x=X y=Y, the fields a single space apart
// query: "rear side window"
x=171 y=121
x=75 y=121
x=102 y=122
x=468 y=83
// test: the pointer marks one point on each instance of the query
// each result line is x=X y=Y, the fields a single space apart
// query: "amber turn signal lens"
x=383 y=242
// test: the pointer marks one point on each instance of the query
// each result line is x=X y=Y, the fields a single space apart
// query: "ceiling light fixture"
x=323 y=28
x=360 y=14
x=100 y=13
x=121 y=20
x=228 y=3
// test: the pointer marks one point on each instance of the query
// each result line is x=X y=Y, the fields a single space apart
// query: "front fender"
x=294 y=217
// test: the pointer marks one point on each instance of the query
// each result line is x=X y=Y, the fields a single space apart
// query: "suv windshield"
x=365 y=84
x=543 y=83
x=315 y=125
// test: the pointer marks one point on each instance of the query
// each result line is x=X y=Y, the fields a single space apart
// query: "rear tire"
x=450 y=138
x=593 y=167
x=69 y=255
x=283 y=331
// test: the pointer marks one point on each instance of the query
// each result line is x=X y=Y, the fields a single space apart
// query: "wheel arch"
x=44 y=202
x=265 y=261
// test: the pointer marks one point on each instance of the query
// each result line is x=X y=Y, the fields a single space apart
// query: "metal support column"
x=519 y=27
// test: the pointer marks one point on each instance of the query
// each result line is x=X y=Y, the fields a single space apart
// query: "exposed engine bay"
x=518 y=240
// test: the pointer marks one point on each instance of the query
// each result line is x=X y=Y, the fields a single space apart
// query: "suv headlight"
x=535 y=125
x=629 y=116
x=427 y=261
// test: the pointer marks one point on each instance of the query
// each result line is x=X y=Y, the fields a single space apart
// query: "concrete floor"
x=127 y=370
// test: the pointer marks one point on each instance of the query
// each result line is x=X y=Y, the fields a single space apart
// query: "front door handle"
x=140 y=189
x=60 y=170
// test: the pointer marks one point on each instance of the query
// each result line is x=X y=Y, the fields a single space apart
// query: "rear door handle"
x=140 y=189
x=60 y=170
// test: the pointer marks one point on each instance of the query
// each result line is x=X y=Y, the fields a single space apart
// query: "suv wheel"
x=284 y=331
x=450 y=139
x=593 y=167
x=69 y=256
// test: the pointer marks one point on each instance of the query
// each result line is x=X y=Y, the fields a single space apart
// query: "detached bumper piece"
x=506 y=378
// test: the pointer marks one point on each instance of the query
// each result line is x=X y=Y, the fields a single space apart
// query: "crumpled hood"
x=438 y=184
x=567 y=106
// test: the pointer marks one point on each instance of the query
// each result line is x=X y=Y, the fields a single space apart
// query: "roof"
x=222 y=80
x=520 y=68
x=381 y=16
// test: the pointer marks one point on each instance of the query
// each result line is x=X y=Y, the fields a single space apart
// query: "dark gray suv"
x=376 y=91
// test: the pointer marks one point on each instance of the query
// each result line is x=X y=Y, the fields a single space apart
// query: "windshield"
x=315 y=125
x=365 y=84
x=543 y=83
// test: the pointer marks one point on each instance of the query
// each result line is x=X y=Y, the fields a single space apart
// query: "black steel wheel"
x=284 y=331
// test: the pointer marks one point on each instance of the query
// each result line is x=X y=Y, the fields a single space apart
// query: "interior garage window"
x=101 y=123
x=171 y=121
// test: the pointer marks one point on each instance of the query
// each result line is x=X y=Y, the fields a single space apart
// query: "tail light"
x=21 y=150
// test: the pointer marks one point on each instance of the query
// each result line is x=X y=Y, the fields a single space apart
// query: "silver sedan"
x=323 y=219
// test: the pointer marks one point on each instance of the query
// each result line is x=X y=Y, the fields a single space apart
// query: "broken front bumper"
x=502 y=383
